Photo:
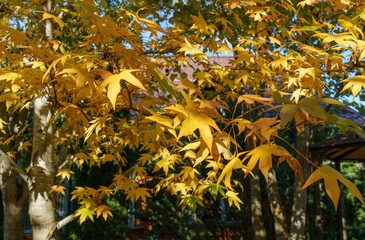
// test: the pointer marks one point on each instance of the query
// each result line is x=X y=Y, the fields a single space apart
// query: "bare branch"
x=62 y=165
x=287 y=44
x=61 y=14
x=60 y=224
x=65 y=221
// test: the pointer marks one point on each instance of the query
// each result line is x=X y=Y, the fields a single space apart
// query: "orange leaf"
x=104 y=211
x=263 y=125
x=250 y=99
x=58 y=189
x=264 y=154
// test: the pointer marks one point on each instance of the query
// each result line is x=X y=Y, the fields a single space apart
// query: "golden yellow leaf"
x=113 y=83
x=188 y=48
x=234 y=163
x=79 y=193
x=134 y=193
x=65 y=173
x=330 y=177
x=201 y=121
x=47 y=15
x=232 y=198
x=355 y=84
x=191 y=146
x=9 y=96
x=163 y=120
x=82 y=75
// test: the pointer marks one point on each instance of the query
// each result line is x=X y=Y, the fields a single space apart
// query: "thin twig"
x=297 y=151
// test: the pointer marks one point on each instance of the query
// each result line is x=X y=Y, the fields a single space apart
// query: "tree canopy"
x=115 y=76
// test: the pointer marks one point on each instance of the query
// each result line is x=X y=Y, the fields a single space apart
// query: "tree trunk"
x=42 y=210
x=281 y=228
x=13 y=190
x=42 y=207
x=14 y=199
x=256 y=210
x=300 y=196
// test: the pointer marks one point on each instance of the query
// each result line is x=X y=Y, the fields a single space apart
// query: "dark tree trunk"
x=281 y=228
x=14 y=201
x=300 y=195
x=13 y=189
x=256 y=209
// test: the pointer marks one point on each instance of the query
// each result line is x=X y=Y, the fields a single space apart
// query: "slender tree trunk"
x=281 y=228
x=256 y=209
x=300 y=196
x=42 y=210
x=42 y=207
x=14 y=191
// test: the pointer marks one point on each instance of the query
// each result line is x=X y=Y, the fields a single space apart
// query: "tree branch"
x=60 y=224
x=11 y=162
x=287 y=44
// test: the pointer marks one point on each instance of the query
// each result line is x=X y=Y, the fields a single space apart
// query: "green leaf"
x=164 y=82
x=287 y=113
x=277 y=97
x=312 y=107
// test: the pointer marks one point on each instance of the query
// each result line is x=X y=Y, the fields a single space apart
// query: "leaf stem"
x=315 y=165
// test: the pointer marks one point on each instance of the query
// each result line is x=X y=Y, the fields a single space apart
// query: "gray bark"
x=300 y=196
x=14 y=191
x=281 y=228
x=42 y=207
x=42 y=174
x=256 y=210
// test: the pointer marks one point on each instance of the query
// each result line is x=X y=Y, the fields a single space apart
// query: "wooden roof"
x=348 y=147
